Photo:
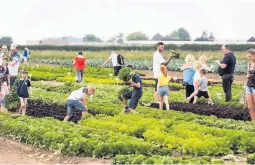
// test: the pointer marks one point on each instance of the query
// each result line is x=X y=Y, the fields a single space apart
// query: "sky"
x=40 y=19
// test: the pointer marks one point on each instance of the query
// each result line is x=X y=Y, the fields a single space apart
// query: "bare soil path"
x=14 y=152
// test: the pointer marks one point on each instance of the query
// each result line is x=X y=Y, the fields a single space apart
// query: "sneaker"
x=187 y=100
x=125 y=110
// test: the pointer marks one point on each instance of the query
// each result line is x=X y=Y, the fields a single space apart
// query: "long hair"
x=197 y=65
x=189 y=59
x=163 y=69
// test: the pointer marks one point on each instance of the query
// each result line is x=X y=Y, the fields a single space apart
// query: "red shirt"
x=80 y=63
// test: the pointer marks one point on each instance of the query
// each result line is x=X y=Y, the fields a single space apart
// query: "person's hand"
x=218 y=62
x=249 y=75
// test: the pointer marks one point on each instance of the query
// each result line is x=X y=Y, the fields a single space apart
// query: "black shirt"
x=137 y=79
x=230 y=60
x=23 y=88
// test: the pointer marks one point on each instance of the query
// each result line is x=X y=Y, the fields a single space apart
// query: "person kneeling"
x=77 y=100
x=134 y=95
x=203 y=89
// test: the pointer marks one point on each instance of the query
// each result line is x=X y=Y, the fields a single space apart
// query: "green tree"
x=204 y=37
x=91 y=38
x=137 y=36
x=180 y=35
x=211 y=37
x=6 y=40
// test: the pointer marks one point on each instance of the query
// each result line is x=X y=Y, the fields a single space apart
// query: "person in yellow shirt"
x=162 y=88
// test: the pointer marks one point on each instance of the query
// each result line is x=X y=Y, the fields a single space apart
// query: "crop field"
x=187 y=134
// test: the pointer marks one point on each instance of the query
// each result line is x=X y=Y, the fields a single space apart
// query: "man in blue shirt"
x=13 y=66
x=134 y=95
x=26 y=54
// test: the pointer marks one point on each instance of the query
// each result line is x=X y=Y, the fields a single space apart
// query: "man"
x=116 y=66
x=226 y=71
x=77 y=100
x=157 y=61
x=13 y=66
x=26 y=55
x=134 y=95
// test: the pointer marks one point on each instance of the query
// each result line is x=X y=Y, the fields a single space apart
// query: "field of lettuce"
x=187 y=134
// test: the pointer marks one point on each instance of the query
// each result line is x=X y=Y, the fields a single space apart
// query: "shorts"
x=74 y=104
x=117 y=70
x=203 y=93
x=163 y=91
x=134 y=97
x=156 y=84
x=249 y=90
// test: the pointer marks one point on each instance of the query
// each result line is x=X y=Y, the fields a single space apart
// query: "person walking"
x=158 y=59
x=13 y=66
x=188 y=76
x=250 y=85
x=26 y=55
x=226 y=71
x=203 y=88
x=117 y=62
x=23 y=91
x=162 y=89
x=78 y=100
x=79 y=63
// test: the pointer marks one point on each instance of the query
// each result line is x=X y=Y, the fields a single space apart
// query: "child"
x=203 y=89
x=162 y=88
x=134 y=95
x=196 y=81
x=23 y=92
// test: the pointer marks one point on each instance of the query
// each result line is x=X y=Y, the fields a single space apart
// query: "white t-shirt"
x=114 y=59
x=157 y=61
x=77 y=94
x=14 y=70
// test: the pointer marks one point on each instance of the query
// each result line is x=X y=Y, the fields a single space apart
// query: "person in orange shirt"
x=79 y=63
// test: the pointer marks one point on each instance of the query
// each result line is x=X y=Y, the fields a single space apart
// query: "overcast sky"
x=37 y=19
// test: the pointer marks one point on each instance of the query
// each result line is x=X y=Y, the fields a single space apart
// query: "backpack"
x=120 y=59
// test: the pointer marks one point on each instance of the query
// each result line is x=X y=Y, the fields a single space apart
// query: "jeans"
x=74 y=104
x=227 y=80
x=79 y=75
x=189 y=90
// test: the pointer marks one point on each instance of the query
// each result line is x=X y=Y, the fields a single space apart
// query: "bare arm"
x=167 y=62
x=84 y=102
x=106 y=62
x=73 y=62
x=223 y=66
x=186 y=66
x=12 y=63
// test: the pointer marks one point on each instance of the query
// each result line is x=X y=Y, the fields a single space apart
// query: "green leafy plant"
x=124 y=74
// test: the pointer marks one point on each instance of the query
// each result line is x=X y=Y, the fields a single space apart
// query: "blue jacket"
x=188 y=76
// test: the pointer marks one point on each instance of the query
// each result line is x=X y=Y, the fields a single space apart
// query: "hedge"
x=190 y=47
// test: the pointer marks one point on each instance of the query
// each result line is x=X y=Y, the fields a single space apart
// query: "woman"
x=162 y=87
x=188 y=74
x=250 y=85
x=79 y=63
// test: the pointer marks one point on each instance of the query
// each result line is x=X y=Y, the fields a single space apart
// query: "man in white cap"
x=14 y=64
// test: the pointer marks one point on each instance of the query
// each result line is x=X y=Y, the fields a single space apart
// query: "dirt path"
x=13 y=152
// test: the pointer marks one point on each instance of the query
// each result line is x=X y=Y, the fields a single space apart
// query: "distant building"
x=67 y=40
x=252 y=39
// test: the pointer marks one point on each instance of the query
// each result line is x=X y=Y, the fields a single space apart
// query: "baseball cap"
x=4 y=47
x=13 y=46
